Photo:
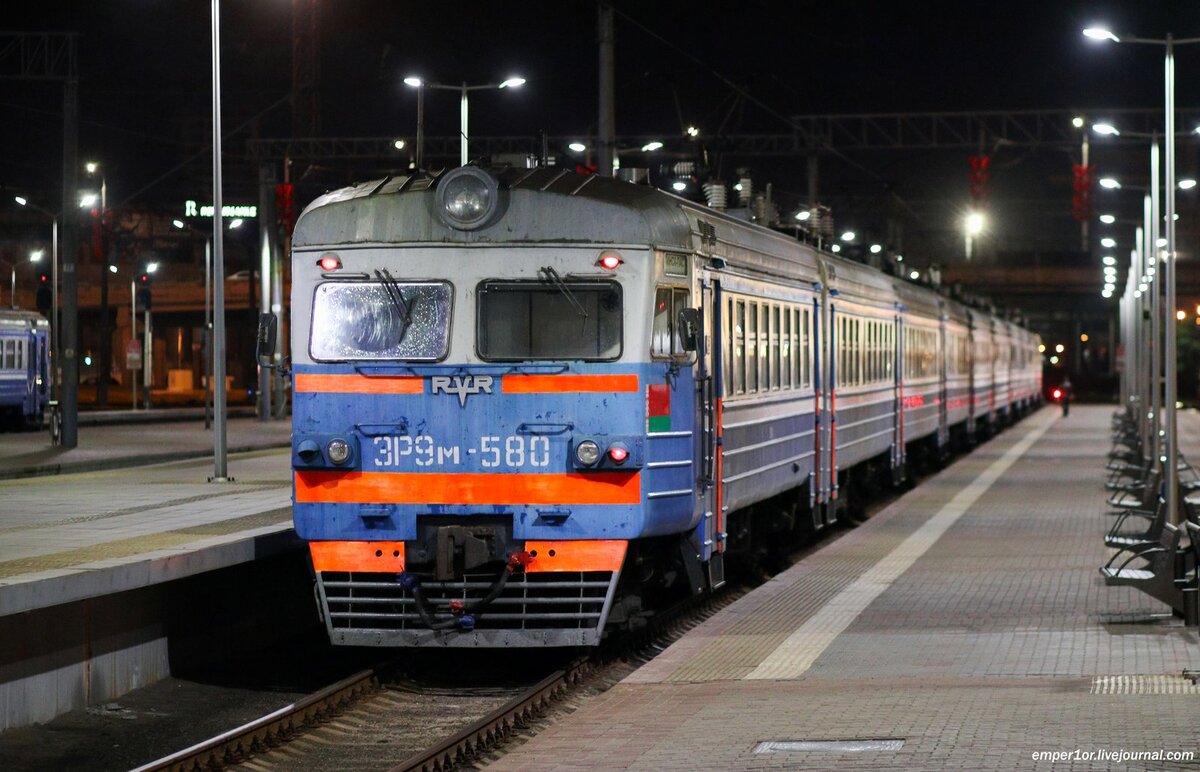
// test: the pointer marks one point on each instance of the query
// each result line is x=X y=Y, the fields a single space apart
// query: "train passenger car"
x=524 y=400
x=24 y=368
x=865 y=321
x=957 y=336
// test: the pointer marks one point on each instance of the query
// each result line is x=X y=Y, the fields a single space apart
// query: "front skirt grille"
x=370 y=602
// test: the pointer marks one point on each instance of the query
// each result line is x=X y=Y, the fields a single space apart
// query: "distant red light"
x=618 y=455
x=329 y=263
x=1057 y=393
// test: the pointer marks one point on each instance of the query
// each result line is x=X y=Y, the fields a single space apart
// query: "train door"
x=972 y=381
x=824 y=353
x=943 y=434
x=709 y=390
x=898 y=451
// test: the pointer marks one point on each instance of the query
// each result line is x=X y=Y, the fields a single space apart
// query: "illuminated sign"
x=192 y=209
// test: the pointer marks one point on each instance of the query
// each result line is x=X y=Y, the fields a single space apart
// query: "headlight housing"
x=468 y=198
x=587 y=453
x=338 y=451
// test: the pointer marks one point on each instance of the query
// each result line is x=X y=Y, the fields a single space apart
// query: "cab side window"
x=668 y=302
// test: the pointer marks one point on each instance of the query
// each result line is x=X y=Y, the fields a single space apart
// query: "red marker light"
x=329 y=263
x=1057 y=393
x=618 y=454
x=609 y=261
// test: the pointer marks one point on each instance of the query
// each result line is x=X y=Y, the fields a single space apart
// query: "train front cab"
x=485 y=481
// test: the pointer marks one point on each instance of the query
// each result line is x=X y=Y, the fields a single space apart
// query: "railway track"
x=372 y=718
x=369 y=720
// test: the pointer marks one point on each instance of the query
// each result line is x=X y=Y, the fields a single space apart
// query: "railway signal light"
x=978 y=177
x=44 y=295
x=142 y=295
x=1081 y=203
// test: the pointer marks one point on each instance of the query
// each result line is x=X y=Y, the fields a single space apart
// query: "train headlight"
x=338 y=451
x=587 y=453
x=467 y=198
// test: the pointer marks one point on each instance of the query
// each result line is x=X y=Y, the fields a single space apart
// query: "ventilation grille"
x=539 y=601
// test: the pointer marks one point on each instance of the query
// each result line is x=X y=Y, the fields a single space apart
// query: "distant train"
x=526 y=399
x=24 y=368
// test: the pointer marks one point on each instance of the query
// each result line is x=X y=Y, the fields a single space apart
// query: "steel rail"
x=493 y=727
x=240 y=743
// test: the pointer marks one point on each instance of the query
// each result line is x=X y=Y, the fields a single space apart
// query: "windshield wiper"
x=547 y=273
x=392 y=288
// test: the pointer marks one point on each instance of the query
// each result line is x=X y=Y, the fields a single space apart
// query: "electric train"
x=526 y=400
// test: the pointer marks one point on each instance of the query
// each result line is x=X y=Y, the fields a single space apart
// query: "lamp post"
x=34 y=257
x=463 y=89
x=1168 y=43
x=220 y=468
x=1152 y=411
x=53 y=288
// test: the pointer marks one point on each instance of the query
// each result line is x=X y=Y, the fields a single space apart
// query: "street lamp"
x=1168 y=43
x=420 y=85
x=972 y=226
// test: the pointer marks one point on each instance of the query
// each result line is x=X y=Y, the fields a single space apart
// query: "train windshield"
x=381 y=320
x=549 y=320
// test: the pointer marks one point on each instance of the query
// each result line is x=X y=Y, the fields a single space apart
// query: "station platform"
x=89 y=560
x=122 y=438
x=965 y=626
x=66 y=538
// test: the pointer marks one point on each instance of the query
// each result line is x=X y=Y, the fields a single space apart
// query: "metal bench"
x=1157 y=572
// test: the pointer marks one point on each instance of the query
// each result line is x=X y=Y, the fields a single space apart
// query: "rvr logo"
x=463 y=386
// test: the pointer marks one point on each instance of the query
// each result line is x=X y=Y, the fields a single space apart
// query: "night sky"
x=145 y=72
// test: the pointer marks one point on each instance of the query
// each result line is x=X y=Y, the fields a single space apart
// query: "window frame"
x=571 y=284
x=382 y=360
x=674 y=289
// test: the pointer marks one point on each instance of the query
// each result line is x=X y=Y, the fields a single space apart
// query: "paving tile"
x=984 y=651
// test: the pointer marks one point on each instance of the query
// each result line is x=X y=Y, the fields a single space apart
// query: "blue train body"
x=521 y=397
x=24 y=367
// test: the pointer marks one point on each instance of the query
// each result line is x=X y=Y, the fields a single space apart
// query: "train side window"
x=739 y=347
x=668 y=302
x=805 y=353
x=800 y=343
x=890 y=356
x=858 y=352
x=751 y=347
x=872 y=351
x=785 y=349
x=20 y=355
x=776 y=377
x=9 y=355
x=763 y=343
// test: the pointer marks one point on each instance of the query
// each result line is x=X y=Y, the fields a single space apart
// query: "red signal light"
x=1057 y=394
x=618 y=454
x=329 y=263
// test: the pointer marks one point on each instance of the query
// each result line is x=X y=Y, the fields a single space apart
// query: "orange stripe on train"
x=556 y=556
x=358 y=384
x=548 y=384
x=370 y=556
x=441 y=488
